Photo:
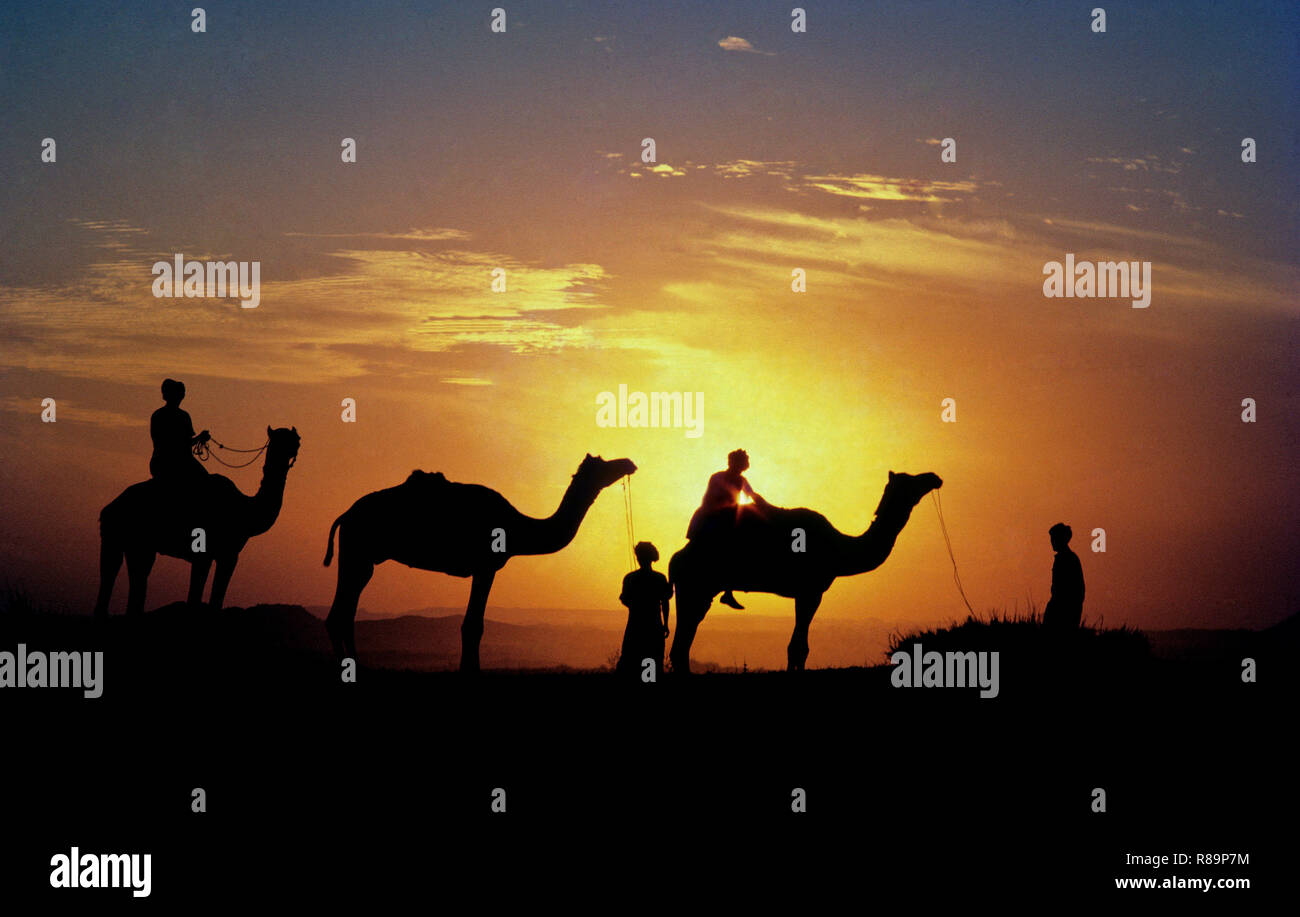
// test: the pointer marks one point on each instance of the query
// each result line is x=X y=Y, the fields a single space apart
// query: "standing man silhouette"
x=723 y=494
x=1064 y=609
x=173 y=437
x=646 y=592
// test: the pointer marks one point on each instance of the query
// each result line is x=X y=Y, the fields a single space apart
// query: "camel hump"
x=770 y=522
x=433 y=490
x=434 y=484
x=781 y=519
x=138 y=494
x=426 y=482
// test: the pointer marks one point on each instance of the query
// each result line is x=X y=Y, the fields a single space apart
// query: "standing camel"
x=762 y=554
x=152 y=518
x=467 y=530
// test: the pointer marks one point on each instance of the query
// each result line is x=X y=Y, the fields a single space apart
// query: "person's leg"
x=660 y=644
x=693 y=527
x=626 y=651
x=715 y=527
x=651 y=643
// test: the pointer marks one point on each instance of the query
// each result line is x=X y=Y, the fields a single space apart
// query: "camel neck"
x=265 y=504
x=872 y=548
x=546 y=536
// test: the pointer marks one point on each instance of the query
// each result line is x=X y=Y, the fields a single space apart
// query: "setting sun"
x=516 y=441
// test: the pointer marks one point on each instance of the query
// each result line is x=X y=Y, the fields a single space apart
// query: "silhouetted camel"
x=759 y=556
x=431 y=523
x=146 y=520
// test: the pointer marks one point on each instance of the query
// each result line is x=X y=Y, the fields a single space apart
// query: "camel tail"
x=329 y=550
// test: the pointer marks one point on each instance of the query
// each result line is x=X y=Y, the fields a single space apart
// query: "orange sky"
x=1086 y=411
x=924 y=283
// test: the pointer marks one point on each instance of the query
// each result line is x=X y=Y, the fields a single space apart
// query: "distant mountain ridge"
x=575 y=638
x=589 y=639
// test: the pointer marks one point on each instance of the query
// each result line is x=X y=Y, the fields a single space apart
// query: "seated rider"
x=717 y=510
x=174 y=439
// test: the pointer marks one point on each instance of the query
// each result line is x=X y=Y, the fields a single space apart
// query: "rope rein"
x=956 y=577
x=202 y=452
x=627 y=513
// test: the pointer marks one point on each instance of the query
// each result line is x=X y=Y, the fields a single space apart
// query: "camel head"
x=600 y=473
x=282 y=447
x=904 y=491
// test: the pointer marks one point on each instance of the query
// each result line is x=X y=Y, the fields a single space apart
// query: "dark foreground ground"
x=674 y=795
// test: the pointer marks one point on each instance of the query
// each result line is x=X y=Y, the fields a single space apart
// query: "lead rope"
x=627 y=515
x=956 y=577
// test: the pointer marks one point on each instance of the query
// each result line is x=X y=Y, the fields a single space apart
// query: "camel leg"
x=797 y=652
x=471 y=629
x=690 y=612
x=138 y=566
x=110 y=562
x=353 y=577
x=199 y=568
x=221 y=580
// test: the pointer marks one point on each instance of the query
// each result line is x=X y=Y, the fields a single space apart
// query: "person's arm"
x=1056 y=592
x=711 y=490
x=195 y=438
x=668 y=592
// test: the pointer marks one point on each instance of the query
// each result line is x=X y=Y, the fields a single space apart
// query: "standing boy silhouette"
x=646 y=592
x=1064 y=609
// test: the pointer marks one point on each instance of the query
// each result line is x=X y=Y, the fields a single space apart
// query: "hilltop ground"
x=301 y=769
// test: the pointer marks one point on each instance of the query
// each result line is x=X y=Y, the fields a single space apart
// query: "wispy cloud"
x=735 y=168
x=69 y=412
x=855 y=254
x=1148 y=163
x=746 y=168
x=882 y=188
x=864 y=186
x=103 y=322
x=735 y=43
x=411 y=235
x=112 y=226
